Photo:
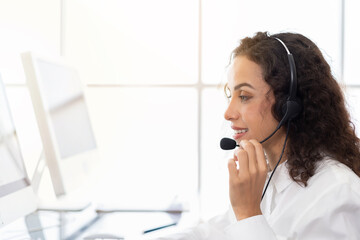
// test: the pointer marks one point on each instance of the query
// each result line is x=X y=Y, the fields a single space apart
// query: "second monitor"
x=63 y=120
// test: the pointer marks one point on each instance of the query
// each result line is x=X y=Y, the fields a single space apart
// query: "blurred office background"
x=152 y=72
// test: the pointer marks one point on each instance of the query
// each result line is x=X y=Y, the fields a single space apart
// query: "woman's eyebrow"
x=242 y=85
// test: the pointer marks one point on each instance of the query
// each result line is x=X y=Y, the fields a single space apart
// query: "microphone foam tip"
x=227 y=144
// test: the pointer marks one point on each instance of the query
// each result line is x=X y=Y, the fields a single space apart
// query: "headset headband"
x=293 y=78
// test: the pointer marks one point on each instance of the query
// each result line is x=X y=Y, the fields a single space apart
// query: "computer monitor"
x=17 y=198
x=63 y=120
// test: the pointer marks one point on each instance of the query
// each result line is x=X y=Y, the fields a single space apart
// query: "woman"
x=314 y=193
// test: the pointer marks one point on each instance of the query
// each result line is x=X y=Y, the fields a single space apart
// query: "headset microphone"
x=228 y=143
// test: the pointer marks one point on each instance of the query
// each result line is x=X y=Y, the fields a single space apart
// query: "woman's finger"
x=243 y=161
x=250 y=150
x=260 y=156
x=233 y=172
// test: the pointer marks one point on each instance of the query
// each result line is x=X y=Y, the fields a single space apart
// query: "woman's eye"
x=244 y=98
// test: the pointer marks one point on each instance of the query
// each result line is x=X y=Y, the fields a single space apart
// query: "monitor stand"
x=65 y=204
x=69 y=203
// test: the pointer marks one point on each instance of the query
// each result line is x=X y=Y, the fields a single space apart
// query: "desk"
x=129 y=225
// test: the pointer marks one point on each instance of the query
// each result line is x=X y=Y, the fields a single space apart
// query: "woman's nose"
x=231 y=113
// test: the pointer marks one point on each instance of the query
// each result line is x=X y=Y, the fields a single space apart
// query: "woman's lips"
x=237 y=136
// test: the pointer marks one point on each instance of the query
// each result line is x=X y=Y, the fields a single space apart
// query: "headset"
x=292 y=108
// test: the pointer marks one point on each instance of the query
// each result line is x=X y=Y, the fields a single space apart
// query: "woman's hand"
x=247 y=183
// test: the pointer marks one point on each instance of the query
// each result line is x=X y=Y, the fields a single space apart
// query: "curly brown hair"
x=324 y=125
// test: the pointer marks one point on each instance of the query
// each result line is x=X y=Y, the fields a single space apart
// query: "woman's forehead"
x=244 y=72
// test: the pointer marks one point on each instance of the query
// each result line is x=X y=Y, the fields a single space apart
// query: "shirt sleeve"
x=210 y=230
x=252 y=228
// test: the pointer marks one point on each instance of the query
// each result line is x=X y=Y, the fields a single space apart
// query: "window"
x=153 y=70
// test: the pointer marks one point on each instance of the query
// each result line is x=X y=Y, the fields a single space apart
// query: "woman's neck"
x=273 y=148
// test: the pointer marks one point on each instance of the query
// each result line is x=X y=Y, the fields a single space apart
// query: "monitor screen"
x=63 y=121
x=64 y=100
x=16 y=195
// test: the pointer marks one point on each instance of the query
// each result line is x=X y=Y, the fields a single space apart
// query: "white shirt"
x=327 y=209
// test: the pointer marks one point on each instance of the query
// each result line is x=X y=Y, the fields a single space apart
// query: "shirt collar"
x=281 y=178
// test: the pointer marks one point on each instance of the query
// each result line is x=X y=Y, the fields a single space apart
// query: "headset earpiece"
x=291 y=109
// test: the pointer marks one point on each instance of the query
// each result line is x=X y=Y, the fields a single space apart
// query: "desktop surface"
x=130 y=226
x=127 y=226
